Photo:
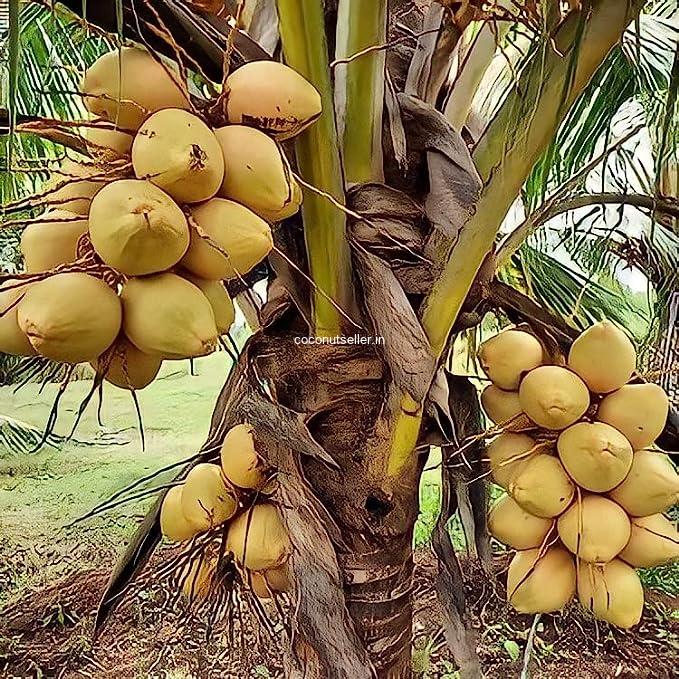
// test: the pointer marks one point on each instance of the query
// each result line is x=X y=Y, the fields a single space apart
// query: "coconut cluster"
x=168 y=207
x=213 y=495
x=585 y=491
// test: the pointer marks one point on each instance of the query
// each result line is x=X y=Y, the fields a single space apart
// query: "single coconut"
x=219 y=299
x=259 y=585
x=174 y=526
x=274 y=580
x=126 y=367
x=540 y=582
x=257 y=174
x=54 y=241
x=106 y=142
x=241 y=464
x=654 y=541
x=271 y=97
x=178 y=152
x=651 y=487
x=612 y=591
x=258 y=538
x=228 y=240
x=507 y=453
x=70 y=317
x=165 y=314
x=13 y=340
x=603 y=357
x=136 y=228
x=127 y=84
x=512 y=525
x=72 y=187
x=553 y=397
x=594 y=528
x=503 y=407
x=199 y=576
x=206 y=500
x=597 y=456
x=508 y=356
x=542 y=487
x=639 y=411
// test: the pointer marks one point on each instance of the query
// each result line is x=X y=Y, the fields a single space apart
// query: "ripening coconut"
x=258 y=538
x=77 y=183
x=542 y=487
x=47 y=244
x=541 y=583
x=106 y=143
x=264 y=583
x=612 y=591
x=594 y=528
x=13 y=340
x=198 y=578
x=219 y=299
x=508 y=356
x=553 y=397
x=70 y=317
x=127 y=84
x=165 y=314
x=603 y=357
x=174 y=526
x=136 y=228
x=271 y=97
x=639 y=411
x=512 y=525
x=597 y=456
x=507 y=453
x=651 y=487
x=654 y=541
x=241 y=464
x=503 y=407
x=126 y=367
x=206 y=500
x=178 y=152
x=231 y=241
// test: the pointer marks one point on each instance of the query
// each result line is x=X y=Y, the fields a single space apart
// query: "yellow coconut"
x=553 y=397
x=174 y=526
x=219 y=299
x=507 y=454
x=137 y=228
x=71 y=187
x=595 y=528
x=501 y=406
x=126 y=367
x=654 y=541
x=265 y=583
x=542 y=487
x=612 y=591
x=241 y=464
x=127 y=84
x=106 y=142
x=206 y=500
x=70 y=317
x=231 y=240
x=178 y=152
x=603 y=357
x=639 y=411
x=597 y=456
x=258 y=538
x=49 y=243
x=257 y=174
x=512 y=525
x=165 y=314
x=259 y=585
x=272 y=97
x=13 y=340
x=508 y=356
x=541 y=583
x=651 y=487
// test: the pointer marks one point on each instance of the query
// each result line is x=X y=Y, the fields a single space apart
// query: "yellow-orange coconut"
x=126 y=367
x=507 y=453
x=178 y=152
x=654 y=541
x=595 y=528
x=206 y=500
x=174 y=526
x=219 y=299
x=503 y=407
x=273 y=98
x=612 y=591
x=47 y=244
x=512 y=525
x=639 y=411
x=541 y=583
x=13 y=340
x=508 y=356
x=70 y=317
x=241 y=464
x=71 y=187
x=106 y=142
x=199 y=576
x=137 y=228
x=595 y=455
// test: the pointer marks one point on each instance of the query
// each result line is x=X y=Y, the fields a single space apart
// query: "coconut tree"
x=439 y=120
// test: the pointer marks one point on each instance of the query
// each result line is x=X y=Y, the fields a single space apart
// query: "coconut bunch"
x=585 y=491
x=229 y=495
x=128 y=267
